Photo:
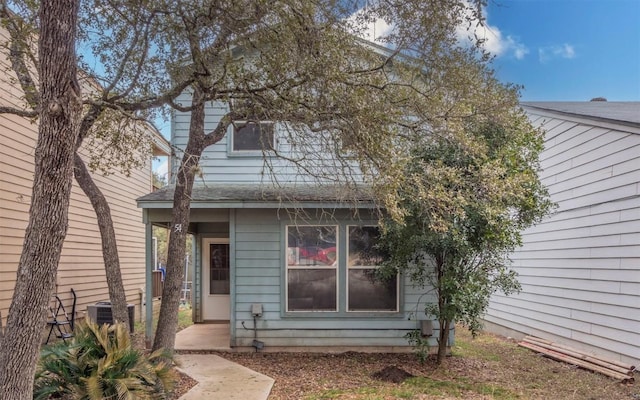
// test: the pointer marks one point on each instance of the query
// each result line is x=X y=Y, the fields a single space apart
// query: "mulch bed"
x=299 y=374
x=183 y=384
x=487 y=360
x=490 y=360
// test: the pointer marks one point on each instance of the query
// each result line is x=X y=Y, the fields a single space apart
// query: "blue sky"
x=570 y=50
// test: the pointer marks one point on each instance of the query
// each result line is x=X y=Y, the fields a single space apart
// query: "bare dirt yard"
x=487 y=367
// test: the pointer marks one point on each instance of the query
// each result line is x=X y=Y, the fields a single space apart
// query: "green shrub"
x=100 y=363
x=420 y=344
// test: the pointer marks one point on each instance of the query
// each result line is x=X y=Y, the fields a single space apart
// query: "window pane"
x=252 y=136
x=362 y=241
x=311 y=290
x=366 y=293
x=219 y=269
x=311 y=245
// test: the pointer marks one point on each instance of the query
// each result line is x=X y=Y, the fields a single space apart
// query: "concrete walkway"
x=222 y=379
x=217 y=378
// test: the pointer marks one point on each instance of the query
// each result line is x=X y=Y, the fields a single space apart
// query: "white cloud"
x=376 y=29
x=519 y=49
x=369 y=28
x=492 y=38
x=564 y=50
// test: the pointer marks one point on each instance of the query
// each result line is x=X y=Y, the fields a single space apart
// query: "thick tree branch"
x=90 y=117
x=133 y=49
x=218 y=133
x=107 y=236
x=145 y=103
x=19 y=112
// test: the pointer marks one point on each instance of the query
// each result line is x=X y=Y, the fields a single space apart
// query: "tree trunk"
x=444 y=322
x=117 y=294
x=443 y=340
x=168 y=319
x=48 y=216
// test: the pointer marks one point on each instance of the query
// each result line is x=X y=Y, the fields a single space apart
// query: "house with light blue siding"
x=580 y=267
x=289 y=255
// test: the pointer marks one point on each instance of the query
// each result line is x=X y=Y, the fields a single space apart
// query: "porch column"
x=192 y=271
x=232 y=276
x=148 y=280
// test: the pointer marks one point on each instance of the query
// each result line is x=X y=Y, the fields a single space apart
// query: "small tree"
x=159 y=181
x=466 y=200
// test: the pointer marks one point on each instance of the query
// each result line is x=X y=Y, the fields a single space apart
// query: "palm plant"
x=100 y=363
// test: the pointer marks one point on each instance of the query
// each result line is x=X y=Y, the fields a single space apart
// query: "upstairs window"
x=252 y=136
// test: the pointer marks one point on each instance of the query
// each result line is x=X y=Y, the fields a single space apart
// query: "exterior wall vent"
x=426 y=328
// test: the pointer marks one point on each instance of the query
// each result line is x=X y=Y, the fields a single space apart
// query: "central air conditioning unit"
x=100 y=313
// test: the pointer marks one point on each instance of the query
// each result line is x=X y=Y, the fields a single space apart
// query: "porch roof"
x=216 y=195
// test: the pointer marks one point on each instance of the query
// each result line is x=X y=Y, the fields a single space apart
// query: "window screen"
x=252 y=136
x=312 y=268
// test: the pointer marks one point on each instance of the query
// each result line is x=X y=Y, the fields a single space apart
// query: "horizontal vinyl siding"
x=259 y=275
x=219 y=166
x=215 y=162
x=81 y=266
x=258 y=270
x=580 y=268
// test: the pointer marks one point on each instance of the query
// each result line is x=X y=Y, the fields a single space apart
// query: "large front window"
x=366 y=291
x=312 y=268
x=317 y=261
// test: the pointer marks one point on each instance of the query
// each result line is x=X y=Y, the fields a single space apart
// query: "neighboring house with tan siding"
x=81 y=265
x=580 y=267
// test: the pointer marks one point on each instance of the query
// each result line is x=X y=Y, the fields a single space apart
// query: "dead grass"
x=488 y=367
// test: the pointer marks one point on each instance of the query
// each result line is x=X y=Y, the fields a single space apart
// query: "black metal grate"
x=101 y=314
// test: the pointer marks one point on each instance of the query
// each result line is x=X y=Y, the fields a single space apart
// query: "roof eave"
x=235 y=204
x=610 y=123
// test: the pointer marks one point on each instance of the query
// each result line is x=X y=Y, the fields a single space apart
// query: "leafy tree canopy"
x=303 y=65
x=465 y=202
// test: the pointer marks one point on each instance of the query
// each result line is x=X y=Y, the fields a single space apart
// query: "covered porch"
x=217 y=300
x=204 y=337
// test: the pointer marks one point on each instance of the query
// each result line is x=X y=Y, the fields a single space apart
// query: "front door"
x=216 y=280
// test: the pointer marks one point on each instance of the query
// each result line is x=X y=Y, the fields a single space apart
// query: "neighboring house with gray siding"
x=580 y=267
x=294 y=252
